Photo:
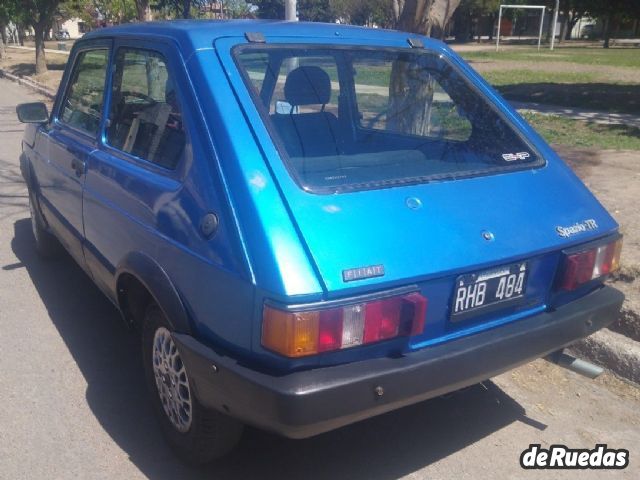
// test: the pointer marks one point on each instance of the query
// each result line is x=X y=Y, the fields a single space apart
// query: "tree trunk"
x=493 y=21
x=410 y=99
x=570 y=26
x=411 y=88
x=41 y=61
x=414 y=17
x=143 y=9
x=20 y=31
x=3 y=39
x=563 y=29
x=606 y=35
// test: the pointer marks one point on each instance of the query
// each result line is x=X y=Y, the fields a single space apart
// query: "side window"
x=145 y=119
x=82 y=105
x=257 y=66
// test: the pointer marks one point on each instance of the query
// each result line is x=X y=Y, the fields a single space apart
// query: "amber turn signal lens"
x=290 y=334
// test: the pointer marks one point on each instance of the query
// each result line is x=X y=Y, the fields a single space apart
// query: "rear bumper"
x=306 y=403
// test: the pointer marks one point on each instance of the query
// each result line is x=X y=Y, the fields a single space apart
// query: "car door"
x=134 y=182
x=72 y=136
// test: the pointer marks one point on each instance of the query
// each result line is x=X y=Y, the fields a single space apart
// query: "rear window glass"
x=355 y=118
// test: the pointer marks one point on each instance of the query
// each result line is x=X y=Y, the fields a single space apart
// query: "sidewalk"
x=46 y=50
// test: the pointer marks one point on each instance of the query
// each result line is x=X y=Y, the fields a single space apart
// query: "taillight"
x=582 y=267
x=297 y=334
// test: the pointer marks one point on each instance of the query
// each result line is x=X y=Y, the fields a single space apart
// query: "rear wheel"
x=47 y=245
x=197 y=434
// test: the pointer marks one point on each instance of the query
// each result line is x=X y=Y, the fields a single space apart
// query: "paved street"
x=73 y=403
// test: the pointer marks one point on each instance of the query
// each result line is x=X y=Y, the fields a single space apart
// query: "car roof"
x=198 y=34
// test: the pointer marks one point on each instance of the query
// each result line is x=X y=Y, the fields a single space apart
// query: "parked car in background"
x=62 y=35
x=588 y=32
x=310 y=224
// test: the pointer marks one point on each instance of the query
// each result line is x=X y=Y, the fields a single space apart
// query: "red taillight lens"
x=298 y=334
x=382 y=319
x=581 y=267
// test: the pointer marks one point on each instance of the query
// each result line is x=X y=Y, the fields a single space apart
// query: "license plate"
x=479 y=291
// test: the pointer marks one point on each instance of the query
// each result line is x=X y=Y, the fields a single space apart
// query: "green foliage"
x=364 y=12
x=92 y=12
x=308 y=10
x=270 y=8
x=315 y=11
x=616 y=8
x=239 y=9
x=177 y=8
x=480 y=7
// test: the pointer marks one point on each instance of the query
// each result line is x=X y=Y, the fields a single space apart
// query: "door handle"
x=78 y=166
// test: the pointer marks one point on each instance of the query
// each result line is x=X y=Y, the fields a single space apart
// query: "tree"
x=426 y=17
x=95 y=12
x=239 y=9
x=40 y=14
x=471 y=12
x=574 y=10
x=7 y=13
x=143 y=7
x=612 y=12
x=315 y=11
x=308 y=10
x=364 y=12
x=270 y=8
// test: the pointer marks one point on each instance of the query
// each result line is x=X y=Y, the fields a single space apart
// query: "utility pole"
x=290 y=10
x=555 y=22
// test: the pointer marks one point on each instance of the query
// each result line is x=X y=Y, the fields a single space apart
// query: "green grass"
x=579 y=134
x=513 y=77
x=591 y=90
x=615 y=57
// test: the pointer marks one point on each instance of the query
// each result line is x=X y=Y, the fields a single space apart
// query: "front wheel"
x=47 y=245
x=197 y=434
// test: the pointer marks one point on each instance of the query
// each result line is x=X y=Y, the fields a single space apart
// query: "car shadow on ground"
x=107 y=354
x=605 y=97
x=29 y=69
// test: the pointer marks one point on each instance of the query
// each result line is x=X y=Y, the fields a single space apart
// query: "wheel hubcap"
x=171 y=380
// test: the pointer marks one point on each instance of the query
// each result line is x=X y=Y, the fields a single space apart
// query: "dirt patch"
x=614 y=177
x=22 y=64
x=580 y=160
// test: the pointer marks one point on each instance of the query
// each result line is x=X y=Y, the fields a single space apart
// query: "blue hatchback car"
x=310 y=224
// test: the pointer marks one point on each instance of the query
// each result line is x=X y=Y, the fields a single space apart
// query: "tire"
x=198 y=435
x=47 y=245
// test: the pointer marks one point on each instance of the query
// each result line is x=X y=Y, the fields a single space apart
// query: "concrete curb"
x=38 y=87
x=613 y=351
x=46 y=50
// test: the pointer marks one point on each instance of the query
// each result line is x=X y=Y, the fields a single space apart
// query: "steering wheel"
x=141 y=96
x=375 y=119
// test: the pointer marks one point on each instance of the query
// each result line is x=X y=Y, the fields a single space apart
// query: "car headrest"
x=308 y=85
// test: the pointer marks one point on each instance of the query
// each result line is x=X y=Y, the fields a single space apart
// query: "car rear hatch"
x=472 y=226
x=442 y=234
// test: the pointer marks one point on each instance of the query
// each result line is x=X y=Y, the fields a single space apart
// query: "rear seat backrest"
x=308 y=134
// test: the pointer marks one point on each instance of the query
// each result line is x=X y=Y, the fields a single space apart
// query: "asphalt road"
x=73 y=405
